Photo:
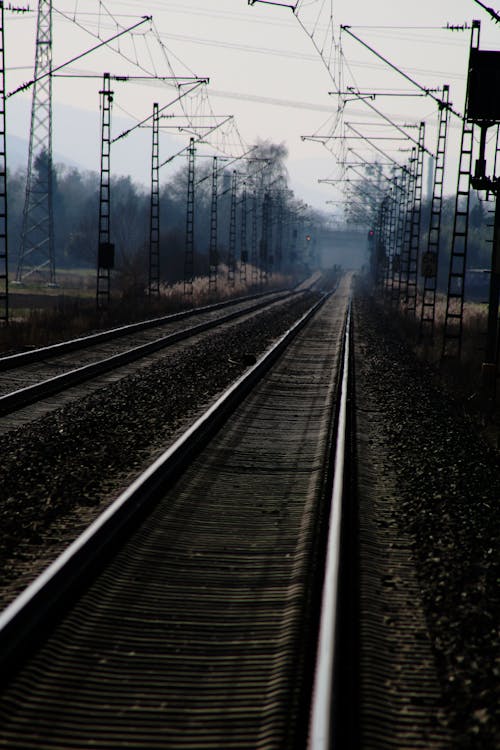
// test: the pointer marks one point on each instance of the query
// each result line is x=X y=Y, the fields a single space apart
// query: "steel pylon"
x=36 y=253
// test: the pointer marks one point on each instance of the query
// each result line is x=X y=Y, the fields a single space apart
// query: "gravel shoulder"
x=61 y=470
x=446 y=479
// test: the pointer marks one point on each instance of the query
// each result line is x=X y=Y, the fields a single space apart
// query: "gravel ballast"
x=62 y=469
x=448 y=490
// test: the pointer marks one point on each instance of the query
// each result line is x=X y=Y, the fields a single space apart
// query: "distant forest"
x=76 y=199
x=367 y=204
x=76 y=206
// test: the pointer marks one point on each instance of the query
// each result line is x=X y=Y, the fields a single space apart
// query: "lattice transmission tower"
x=36 y=252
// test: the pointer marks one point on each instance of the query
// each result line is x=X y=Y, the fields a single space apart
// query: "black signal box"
x=483 y=85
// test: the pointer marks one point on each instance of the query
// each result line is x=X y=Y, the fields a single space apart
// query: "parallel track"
x=80 y=360
x=198 y=629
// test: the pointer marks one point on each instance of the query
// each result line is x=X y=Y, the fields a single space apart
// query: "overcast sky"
x=263 y=68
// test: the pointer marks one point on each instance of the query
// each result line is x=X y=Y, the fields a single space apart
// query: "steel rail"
x=82 y=342
x=22 y=622
x=320 y=728
x=15 y=400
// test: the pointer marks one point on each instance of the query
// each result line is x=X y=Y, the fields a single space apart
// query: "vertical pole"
x=105 y=249
x=243 y=249
x=405 y=258
x=189 y=244
x=36 y=252
x=4 y=257
x=413 y=259
x=264 y=240
x=231 y=258
x=154 y=215
x=293 y=247
x=380 y=258
x=279 y=233
x=489 y=368
x=400 y=229
x=430 y=259
x=213 y=250
x=453 y=322
x=255 y=273
x=391 y=235
x=270 y=220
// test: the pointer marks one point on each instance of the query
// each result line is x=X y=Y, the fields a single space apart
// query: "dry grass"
x=464 y=375
x=40 y=319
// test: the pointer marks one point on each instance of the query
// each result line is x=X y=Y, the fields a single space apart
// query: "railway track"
x=33 y=376
x=187 y=614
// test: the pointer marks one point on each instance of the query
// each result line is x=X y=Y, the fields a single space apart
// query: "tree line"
x=75 y=200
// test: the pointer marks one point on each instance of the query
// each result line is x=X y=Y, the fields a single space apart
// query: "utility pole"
x=154 y=215
x=254 y=255
x=105 y=249
x=231 y=257
x=410 y=205
x=400 y=233
x=279 y=233
x=391 y=245
x=430 y=259
x=455 y=298
x=189 y=244
x=264 y=242
x=36 y=253
x=413 y=257
x=4 y=256
x=243 y=248
x=213 y=248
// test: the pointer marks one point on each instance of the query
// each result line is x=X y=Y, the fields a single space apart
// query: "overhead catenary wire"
x=425 y=90
x=25 y=86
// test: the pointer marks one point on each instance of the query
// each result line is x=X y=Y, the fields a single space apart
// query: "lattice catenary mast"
x=231 y=258
x=36 y=252
x=213 y=260
x=105 y=249
x=243 y=235
x=154 y=216
x=189 y=243
x=4 y=258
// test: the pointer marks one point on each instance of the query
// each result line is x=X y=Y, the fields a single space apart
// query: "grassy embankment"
x=40 y=315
